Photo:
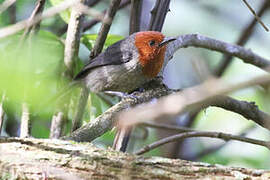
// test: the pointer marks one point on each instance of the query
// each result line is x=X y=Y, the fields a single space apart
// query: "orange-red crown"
x=151 y=55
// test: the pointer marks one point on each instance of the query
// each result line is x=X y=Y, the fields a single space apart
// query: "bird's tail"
x=121 y=138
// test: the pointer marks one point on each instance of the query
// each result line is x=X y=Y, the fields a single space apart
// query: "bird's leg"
x=121 y=138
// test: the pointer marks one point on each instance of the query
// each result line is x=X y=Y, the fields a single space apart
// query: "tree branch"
x=196 y=40
x=91 y=23
x=244 y=37
x=25 y=121
x=37 y=11
x=193 y=98
x=255 y=15
x=107 y=120
x=2 y=112
x=70 y=55
x=214 y=149
x=135 y=16
x=159 y=13
x=55 y=159
x=105 y=27
x=219 y=135
x=12 y=29
x=6 y=4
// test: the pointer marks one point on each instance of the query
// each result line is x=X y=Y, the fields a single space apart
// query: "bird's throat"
x=152 y=66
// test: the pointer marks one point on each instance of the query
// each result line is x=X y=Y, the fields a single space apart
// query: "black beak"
x=166 y=41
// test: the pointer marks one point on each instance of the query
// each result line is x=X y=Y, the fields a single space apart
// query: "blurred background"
x=31 y=75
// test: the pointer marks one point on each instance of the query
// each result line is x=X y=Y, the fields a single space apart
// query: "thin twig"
x=57 y=125
x=25 y=121
x=63 y=29
x=90 y=24
x=4 y=32
x=38 y=10
x=243 y=38
x=216 y=148
x=105 y=27
x=255 y=15
x=219 y=135
x=77 y=120
x=2 y=112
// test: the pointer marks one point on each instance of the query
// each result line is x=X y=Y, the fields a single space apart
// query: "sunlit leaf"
x=29 y=69
x=89 y=40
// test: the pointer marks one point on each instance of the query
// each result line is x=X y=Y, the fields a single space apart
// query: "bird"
x=127 y=64
x=124 y=67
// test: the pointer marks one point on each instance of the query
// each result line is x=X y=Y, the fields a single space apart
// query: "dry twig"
x=243 y=38
x=255 y=15
x=219 y=135
x=2 y=112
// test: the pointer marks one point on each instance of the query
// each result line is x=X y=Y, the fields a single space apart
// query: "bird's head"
x=151 y=47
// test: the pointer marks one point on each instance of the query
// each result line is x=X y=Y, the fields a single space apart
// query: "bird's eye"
x=152 y=42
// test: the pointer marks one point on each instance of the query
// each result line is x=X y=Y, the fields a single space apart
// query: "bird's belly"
x=123 y=78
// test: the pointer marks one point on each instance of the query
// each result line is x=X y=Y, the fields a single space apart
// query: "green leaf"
x=65 y=15
x=89 y=40
x=29 y=69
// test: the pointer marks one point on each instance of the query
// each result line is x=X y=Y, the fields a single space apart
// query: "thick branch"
x=107 y=120
x=159 y=13
x=193 y=98
x=196 y=40
x=55 y=159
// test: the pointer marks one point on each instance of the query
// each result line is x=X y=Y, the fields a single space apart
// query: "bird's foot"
x=124 y=95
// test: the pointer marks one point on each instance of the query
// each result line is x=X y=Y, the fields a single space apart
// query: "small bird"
x=124 y=67
x=127 y=64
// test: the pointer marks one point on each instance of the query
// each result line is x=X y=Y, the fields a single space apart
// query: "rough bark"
x=55 y=159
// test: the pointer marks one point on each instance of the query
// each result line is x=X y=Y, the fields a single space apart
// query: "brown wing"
x=111 y=56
